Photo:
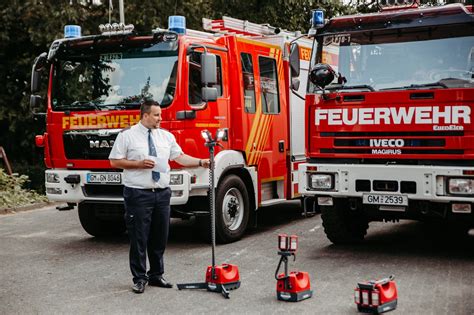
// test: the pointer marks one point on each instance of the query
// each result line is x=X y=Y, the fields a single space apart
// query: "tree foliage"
x=30 y=26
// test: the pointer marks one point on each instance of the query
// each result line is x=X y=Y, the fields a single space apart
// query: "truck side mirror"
x=38 y=66
x=208 y=77
x=35 y=102
x=208 y=69
x=209 y=94
x=321 y=75
x=295 y=60
x=295 y=84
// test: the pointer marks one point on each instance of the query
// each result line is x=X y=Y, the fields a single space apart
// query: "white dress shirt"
x=132 y=144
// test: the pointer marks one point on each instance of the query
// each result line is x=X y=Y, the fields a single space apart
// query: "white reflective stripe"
x=365 y=297
x=357 y=296
x=375 y=298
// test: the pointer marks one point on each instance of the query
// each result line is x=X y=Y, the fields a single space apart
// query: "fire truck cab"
x=389 y=125
x=96 y=82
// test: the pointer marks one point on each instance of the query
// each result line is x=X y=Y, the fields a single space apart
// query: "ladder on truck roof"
x=228 y=25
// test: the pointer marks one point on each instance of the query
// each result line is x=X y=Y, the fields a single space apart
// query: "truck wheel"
x=96 y=226
x=232 y=209
x=342 y=225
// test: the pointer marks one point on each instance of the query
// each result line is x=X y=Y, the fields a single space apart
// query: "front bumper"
x=417 y=182
x=194 y=183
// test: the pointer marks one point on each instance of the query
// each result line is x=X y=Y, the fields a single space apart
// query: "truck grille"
x=408 y=142
x=103 y=190
x=393 y=134
x=89 y=144
x=369 y=151
x=366 y=185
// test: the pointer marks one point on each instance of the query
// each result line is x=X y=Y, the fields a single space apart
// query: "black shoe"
x=160 y=282
x=139 y=287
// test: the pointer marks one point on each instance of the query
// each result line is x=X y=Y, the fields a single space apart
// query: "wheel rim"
x=232 y=209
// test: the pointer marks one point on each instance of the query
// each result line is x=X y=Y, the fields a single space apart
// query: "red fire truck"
x=95 y=84
x=389 y=126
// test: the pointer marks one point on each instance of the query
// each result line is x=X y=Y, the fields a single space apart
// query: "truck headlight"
x=52 y=178
x=176 y=179
x=461 y=186
x=320 y=181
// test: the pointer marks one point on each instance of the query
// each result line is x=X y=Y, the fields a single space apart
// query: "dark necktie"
x=152 y=152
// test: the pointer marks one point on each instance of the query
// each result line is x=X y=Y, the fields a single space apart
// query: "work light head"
x=206 y=135
x=282 y=242
x=221 y=134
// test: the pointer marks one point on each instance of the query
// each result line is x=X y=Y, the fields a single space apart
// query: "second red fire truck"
x=389 y=125
x=95 y=84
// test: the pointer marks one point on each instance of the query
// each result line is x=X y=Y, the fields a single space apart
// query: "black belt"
x=152 y=189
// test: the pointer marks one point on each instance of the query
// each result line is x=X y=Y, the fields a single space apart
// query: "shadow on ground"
x=186 y=231
x=409 y=239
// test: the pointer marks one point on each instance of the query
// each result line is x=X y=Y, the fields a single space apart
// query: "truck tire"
x=232 y=209
x=96 y=226
x=343 y=225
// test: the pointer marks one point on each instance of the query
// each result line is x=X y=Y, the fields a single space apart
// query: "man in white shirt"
x=143 y=151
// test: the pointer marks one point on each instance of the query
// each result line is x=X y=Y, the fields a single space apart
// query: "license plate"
x=104 y=178
x=385 y=199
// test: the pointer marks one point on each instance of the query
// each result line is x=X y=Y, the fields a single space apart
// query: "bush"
x=35 y=172
x=12 y=193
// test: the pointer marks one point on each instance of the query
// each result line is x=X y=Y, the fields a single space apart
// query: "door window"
x=195 y=85
x=269 y=85
x=248 y=82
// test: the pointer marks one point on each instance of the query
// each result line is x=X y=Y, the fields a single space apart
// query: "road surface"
x=50 y=265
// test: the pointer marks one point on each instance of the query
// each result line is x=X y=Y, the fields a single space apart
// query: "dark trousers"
x=147 y=216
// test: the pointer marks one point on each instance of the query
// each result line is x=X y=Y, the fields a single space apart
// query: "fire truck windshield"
x=116 y=79
x=412 y=59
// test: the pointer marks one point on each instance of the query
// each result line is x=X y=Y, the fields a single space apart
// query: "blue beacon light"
x=177 y=23
x=317 y=19
x=72 y=31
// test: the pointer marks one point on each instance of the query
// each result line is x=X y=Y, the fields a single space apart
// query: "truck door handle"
x=281 y=145
x=185 y=114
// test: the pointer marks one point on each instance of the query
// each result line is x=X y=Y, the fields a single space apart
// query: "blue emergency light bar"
x=72 y=31
x=317 y=18
x=177 y=23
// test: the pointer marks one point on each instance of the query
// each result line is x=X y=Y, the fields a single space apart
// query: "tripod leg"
x=200 y=285
x=224 y=292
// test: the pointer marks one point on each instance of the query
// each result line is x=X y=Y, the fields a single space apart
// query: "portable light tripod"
x=226 y=276
x=294 y=286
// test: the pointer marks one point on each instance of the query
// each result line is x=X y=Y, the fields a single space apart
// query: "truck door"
x=209 y=116
x=265 y=117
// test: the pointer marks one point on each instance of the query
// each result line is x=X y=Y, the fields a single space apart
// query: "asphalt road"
x=50 y=265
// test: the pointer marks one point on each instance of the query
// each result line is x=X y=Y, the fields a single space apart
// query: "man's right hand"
x=147 y=164
x=132 y=164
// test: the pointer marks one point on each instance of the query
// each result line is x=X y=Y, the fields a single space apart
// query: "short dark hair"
x=146 y=105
